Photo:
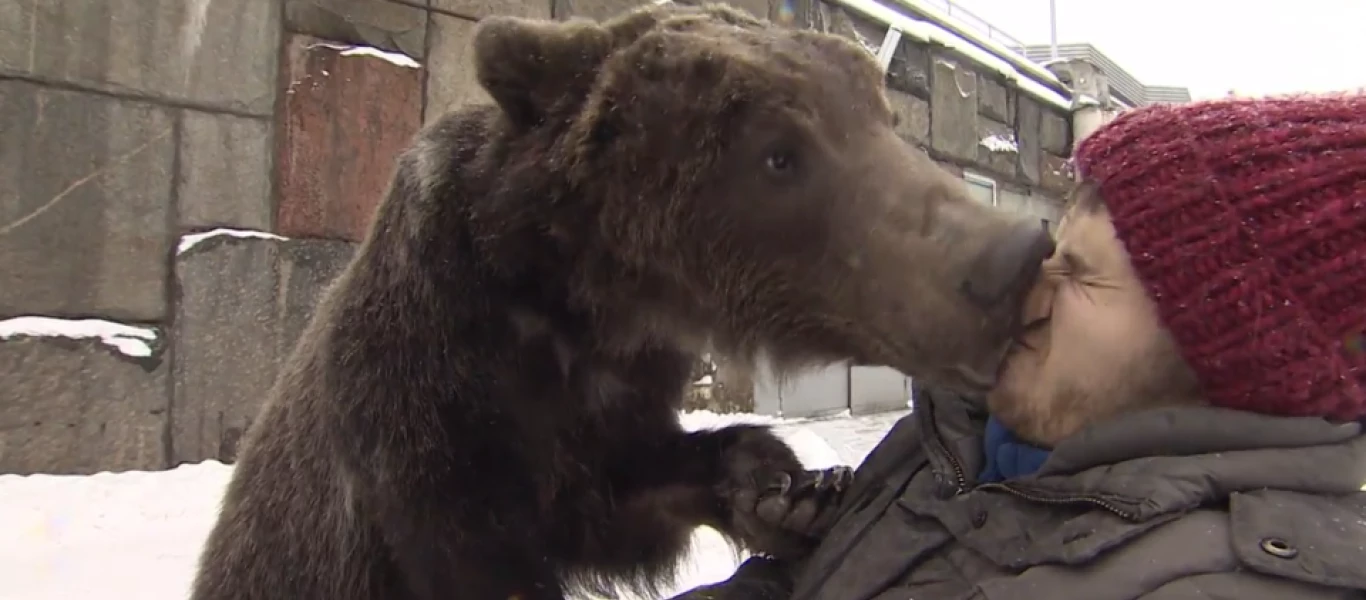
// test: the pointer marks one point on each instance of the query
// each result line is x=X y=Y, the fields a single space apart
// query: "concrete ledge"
x=244 y=300
x=224 y=176
x=85 y=204
x=388 y=25
x=79 y=406
x=219 y=52
x=345 y=118
x=226 y=357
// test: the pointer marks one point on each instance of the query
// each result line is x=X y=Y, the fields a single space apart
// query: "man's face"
x=1095 y=347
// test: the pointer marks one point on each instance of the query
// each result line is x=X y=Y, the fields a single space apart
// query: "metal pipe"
x=1053 y=29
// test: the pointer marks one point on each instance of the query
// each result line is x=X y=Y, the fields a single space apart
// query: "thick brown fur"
x=485 y=403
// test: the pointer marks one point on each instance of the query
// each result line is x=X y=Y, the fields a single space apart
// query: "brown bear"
x=485 y=405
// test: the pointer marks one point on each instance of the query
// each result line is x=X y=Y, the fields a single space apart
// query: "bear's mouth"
x=982 y=377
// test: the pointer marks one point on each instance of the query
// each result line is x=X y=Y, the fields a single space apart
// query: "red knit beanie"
x=1246 y=220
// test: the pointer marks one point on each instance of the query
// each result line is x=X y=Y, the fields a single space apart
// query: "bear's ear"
x=530 y=66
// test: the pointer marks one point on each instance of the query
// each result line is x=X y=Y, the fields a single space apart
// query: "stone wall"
x=180 y=180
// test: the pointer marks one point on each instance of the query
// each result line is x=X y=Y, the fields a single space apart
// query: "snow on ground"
x=136 y=535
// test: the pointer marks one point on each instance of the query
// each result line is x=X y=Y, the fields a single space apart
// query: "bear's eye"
x=779 y=161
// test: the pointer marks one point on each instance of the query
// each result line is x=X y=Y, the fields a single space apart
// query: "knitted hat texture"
x=1246 y=222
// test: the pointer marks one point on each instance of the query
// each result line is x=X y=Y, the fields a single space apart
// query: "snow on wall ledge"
x=127 y=339
x=402 y=60
x=1039 y=71
x=193 y=239
x=930 y=33
x=1087 y=101
x=1000 y=143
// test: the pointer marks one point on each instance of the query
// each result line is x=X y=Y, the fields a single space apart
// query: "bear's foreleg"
x=772 y=503
x=439 y=560
x=741 y=480
x=445 y=535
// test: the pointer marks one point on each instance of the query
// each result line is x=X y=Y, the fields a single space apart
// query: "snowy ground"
x=136 y=536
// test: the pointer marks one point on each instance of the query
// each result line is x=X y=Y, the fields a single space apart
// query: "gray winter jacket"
x=1172 y=504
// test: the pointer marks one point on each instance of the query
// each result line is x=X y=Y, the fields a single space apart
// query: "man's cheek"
x=1022 y=373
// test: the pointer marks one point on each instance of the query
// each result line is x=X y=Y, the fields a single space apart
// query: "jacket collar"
x=1276 y=476
x=1160 y=461
x=1189 y=431
x=1174 y=459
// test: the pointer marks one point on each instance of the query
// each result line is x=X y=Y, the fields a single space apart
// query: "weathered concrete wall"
x=130 y=128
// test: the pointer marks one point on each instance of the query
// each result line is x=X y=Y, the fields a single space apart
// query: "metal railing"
x=977 y=23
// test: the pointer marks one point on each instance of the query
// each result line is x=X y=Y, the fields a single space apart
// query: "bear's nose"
x=1008 y=267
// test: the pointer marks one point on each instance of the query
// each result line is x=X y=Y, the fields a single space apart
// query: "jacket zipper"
x=960 y=477
x=960 y=480
x=1049 y=499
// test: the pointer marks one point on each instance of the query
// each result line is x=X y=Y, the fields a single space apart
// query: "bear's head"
x=721 y=178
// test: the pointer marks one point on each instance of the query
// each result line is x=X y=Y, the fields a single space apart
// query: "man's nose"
x=1007 y=268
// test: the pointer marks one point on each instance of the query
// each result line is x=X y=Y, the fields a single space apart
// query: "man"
x=1181 y=419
